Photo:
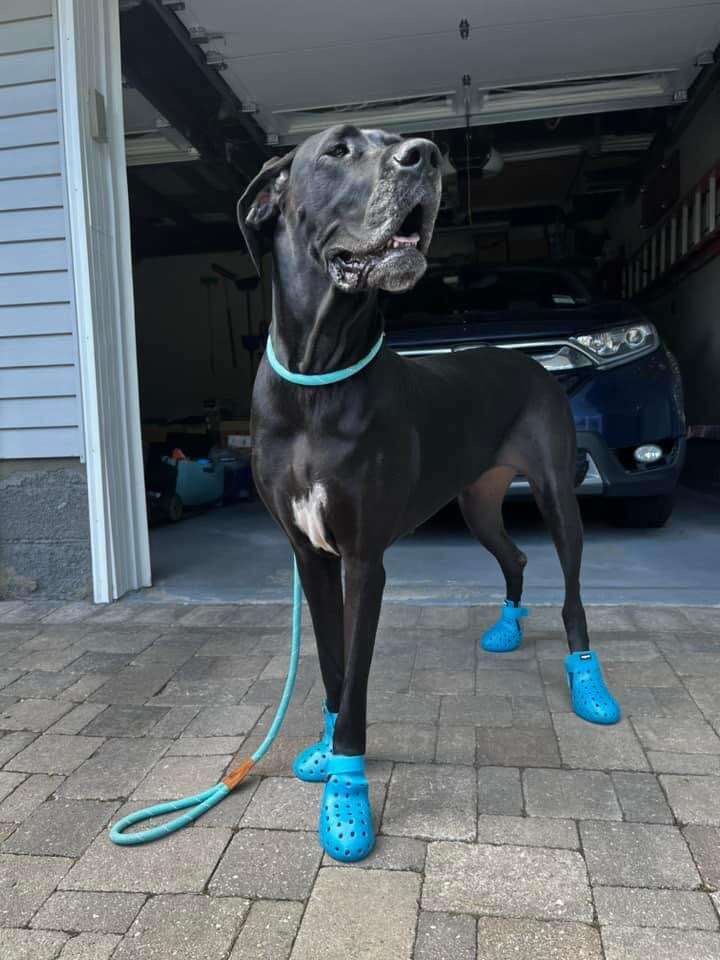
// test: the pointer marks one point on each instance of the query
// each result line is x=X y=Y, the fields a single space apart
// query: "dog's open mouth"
x=396 y=263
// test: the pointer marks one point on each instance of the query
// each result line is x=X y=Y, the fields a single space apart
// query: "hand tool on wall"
x=227 y=275
x=209 y=283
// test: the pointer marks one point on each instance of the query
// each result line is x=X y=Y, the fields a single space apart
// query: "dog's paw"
x=345 y=829
x=311 y=764
x=505 y=635
x=591 y=700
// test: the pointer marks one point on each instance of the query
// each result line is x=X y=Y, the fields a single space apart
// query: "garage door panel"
x=495 y=56
x=256 y=28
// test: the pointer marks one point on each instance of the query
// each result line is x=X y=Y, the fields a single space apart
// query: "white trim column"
x=94 y=150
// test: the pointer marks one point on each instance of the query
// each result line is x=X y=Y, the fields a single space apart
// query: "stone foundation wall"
x=44 y=530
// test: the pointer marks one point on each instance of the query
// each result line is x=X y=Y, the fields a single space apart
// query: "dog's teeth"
x=411 y=241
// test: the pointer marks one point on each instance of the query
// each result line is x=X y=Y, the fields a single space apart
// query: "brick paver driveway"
x=508 y=828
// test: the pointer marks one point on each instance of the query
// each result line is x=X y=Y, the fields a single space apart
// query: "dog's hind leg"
x=558 y=504
x=555 y=496
x=322 y=584
x=481 y=505
x=346 y=829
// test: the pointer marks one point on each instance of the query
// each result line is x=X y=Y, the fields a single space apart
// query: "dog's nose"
x=417 y=155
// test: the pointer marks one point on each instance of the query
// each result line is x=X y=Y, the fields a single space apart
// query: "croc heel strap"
x=591 y=700
x=505 y=635
x=345 y=828
x=310 y=764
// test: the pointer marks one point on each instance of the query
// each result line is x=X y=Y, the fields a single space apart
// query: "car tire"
x=174 y=508
x=642 y=512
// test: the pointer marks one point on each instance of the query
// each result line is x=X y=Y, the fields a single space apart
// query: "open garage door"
x=564 y=135
x=418 y=67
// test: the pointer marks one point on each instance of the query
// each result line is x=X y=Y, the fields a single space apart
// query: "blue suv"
x=624 y=386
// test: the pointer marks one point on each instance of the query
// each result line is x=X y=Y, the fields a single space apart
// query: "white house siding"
x=39 y=407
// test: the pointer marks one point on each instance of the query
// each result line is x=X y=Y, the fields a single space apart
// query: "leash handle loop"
x=202 y=802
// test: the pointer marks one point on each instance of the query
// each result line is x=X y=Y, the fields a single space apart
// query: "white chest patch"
x=308 y=516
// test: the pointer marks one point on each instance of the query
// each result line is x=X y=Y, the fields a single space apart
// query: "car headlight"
x=619 y=343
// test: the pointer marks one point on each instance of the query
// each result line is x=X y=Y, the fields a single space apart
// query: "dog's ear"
x=258 y=207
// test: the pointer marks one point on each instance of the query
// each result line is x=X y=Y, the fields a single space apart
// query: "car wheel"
x=642 y=512
x=174 y=508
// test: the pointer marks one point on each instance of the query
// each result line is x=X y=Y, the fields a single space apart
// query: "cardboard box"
x=235 y=426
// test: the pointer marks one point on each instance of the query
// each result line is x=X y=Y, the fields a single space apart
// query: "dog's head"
x=363 y=202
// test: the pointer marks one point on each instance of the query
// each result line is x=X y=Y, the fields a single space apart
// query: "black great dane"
x=349 y=467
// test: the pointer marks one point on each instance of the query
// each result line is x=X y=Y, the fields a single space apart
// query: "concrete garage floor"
x=507 y=827
x=237 y=554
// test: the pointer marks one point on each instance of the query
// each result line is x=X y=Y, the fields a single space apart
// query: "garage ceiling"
x=402 y=64
x=219 y=85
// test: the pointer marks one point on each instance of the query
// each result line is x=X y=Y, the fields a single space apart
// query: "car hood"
x=516 y=325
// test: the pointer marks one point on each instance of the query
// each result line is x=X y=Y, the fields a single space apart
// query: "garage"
x=579 y=196
x=476 y=279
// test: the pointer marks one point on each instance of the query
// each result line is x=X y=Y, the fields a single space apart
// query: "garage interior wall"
x=44 y=533
x=686 y=312
x=185 y=355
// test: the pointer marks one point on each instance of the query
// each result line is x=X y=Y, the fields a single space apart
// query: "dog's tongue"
x=411 y=241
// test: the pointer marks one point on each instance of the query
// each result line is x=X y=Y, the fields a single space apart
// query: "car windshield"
x=448 y=296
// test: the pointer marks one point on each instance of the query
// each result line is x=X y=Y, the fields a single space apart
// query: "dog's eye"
x=339 y=150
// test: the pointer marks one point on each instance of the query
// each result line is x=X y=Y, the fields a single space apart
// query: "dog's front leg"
x=364 y=584
x=321 y=579
x=322 y=583
x=346 y=830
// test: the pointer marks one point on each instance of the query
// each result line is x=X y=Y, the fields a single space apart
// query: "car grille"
x=570 y=379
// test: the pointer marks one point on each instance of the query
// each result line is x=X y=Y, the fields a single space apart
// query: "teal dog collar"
x=320 y=379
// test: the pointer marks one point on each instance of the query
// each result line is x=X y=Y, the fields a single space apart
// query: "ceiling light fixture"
x=146 y=150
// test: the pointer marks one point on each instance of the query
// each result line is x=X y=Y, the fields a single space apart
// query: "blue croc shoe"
x=505 y=635
x=345 y=828
x=590 y=697
x=311 y=763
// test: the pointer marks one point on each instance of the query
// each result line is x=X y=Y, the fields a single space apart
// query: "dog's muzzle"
x=394 y=257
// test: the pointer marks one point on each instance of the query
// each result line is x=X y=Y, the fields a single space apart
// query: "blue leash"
x=202 y=802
